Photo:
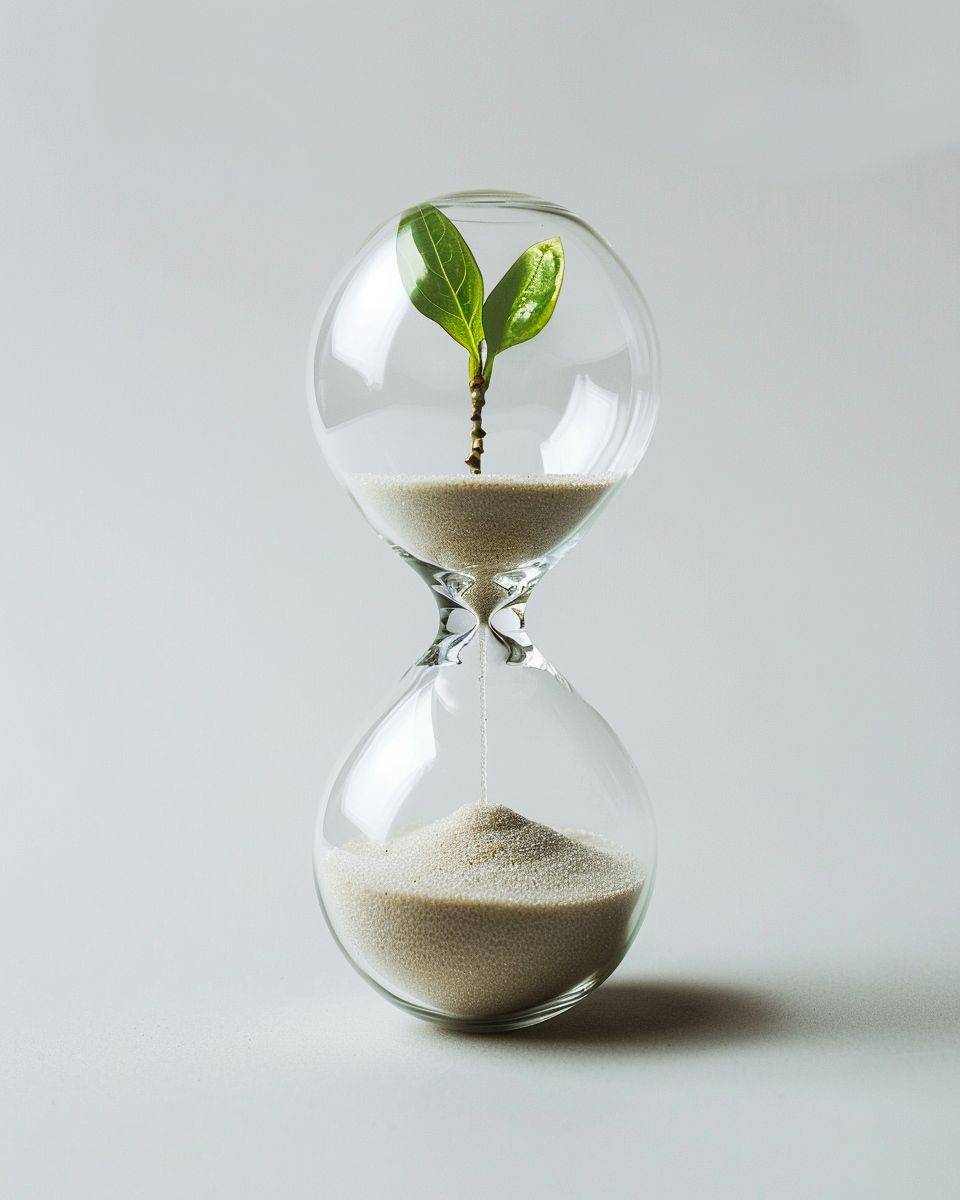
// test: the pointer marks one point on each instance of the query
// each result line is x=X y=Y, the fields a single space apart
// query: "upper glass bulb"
x=391 y=387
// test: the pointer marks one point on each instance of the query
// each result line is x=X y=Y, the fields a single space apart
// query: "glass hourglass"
x=485 y=853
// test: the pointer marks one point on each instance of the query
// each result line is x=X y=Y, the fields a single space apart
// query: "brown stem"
x=478 y=389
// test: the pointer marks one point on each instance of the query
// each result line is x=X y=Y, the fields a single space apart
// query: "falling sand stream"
x=483 y=711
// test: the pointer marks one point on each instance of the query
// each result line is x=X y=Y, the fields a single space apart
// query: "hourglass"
x=483 y=379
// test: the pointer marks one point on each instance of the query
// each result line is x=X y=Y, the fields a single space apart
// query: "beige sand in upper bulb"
x=484 y=912
x=481 y=525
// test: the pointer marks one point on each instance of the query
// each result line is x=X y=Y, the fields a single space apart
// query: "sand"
x=481 y=525
x=484 y=912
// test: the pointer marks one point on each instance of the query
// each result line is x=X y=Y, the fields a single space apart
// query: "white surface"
x=195 y=621
x=810 y=1086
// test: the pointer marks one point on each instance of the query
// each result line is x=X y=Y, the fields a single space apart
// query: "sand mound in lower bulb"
x=484 y=912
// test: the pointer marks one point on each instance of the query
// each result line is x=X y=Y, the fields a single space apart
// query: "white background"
x=194 y=621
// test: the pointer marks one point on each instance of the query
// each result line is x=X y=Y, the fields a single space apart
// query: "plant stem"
x=478 y=387
x=478 y=390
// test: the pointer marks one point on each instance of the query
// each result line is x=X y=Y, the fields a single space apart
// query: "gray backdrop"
x=195 y=620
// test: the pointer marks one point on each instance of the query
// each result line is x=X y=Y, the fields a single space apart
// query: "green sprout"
x=444 y=283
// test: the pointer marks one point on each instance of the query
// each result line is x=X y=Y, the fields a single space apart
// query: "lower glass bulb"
x=486 y=852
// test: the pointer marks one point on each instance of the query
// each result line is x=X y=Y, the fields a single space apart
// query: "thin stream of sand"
x=483 y=713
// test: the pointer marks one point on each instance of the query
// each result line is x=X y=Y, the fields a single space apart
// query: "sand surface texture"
x=484 y=912
x=480 y=525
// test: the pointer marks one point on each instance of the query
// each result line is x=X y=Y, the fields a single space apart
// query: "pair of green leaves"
x=444 y=283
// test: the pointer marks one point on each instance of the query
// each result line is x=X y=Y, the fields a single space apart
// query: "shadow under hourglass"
x=641 y=1015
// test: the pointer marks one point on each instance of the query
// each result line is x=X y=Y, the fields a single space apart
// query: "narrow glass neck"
x=467 y=604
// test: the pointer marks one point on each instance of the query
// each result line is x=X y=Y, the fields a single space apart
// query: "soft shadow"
x=623 y=1015
x=660 y=1014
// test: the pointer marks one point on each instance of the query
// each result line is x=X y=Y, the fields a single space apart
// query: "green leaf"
x=441 y=276
x=524 y=299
